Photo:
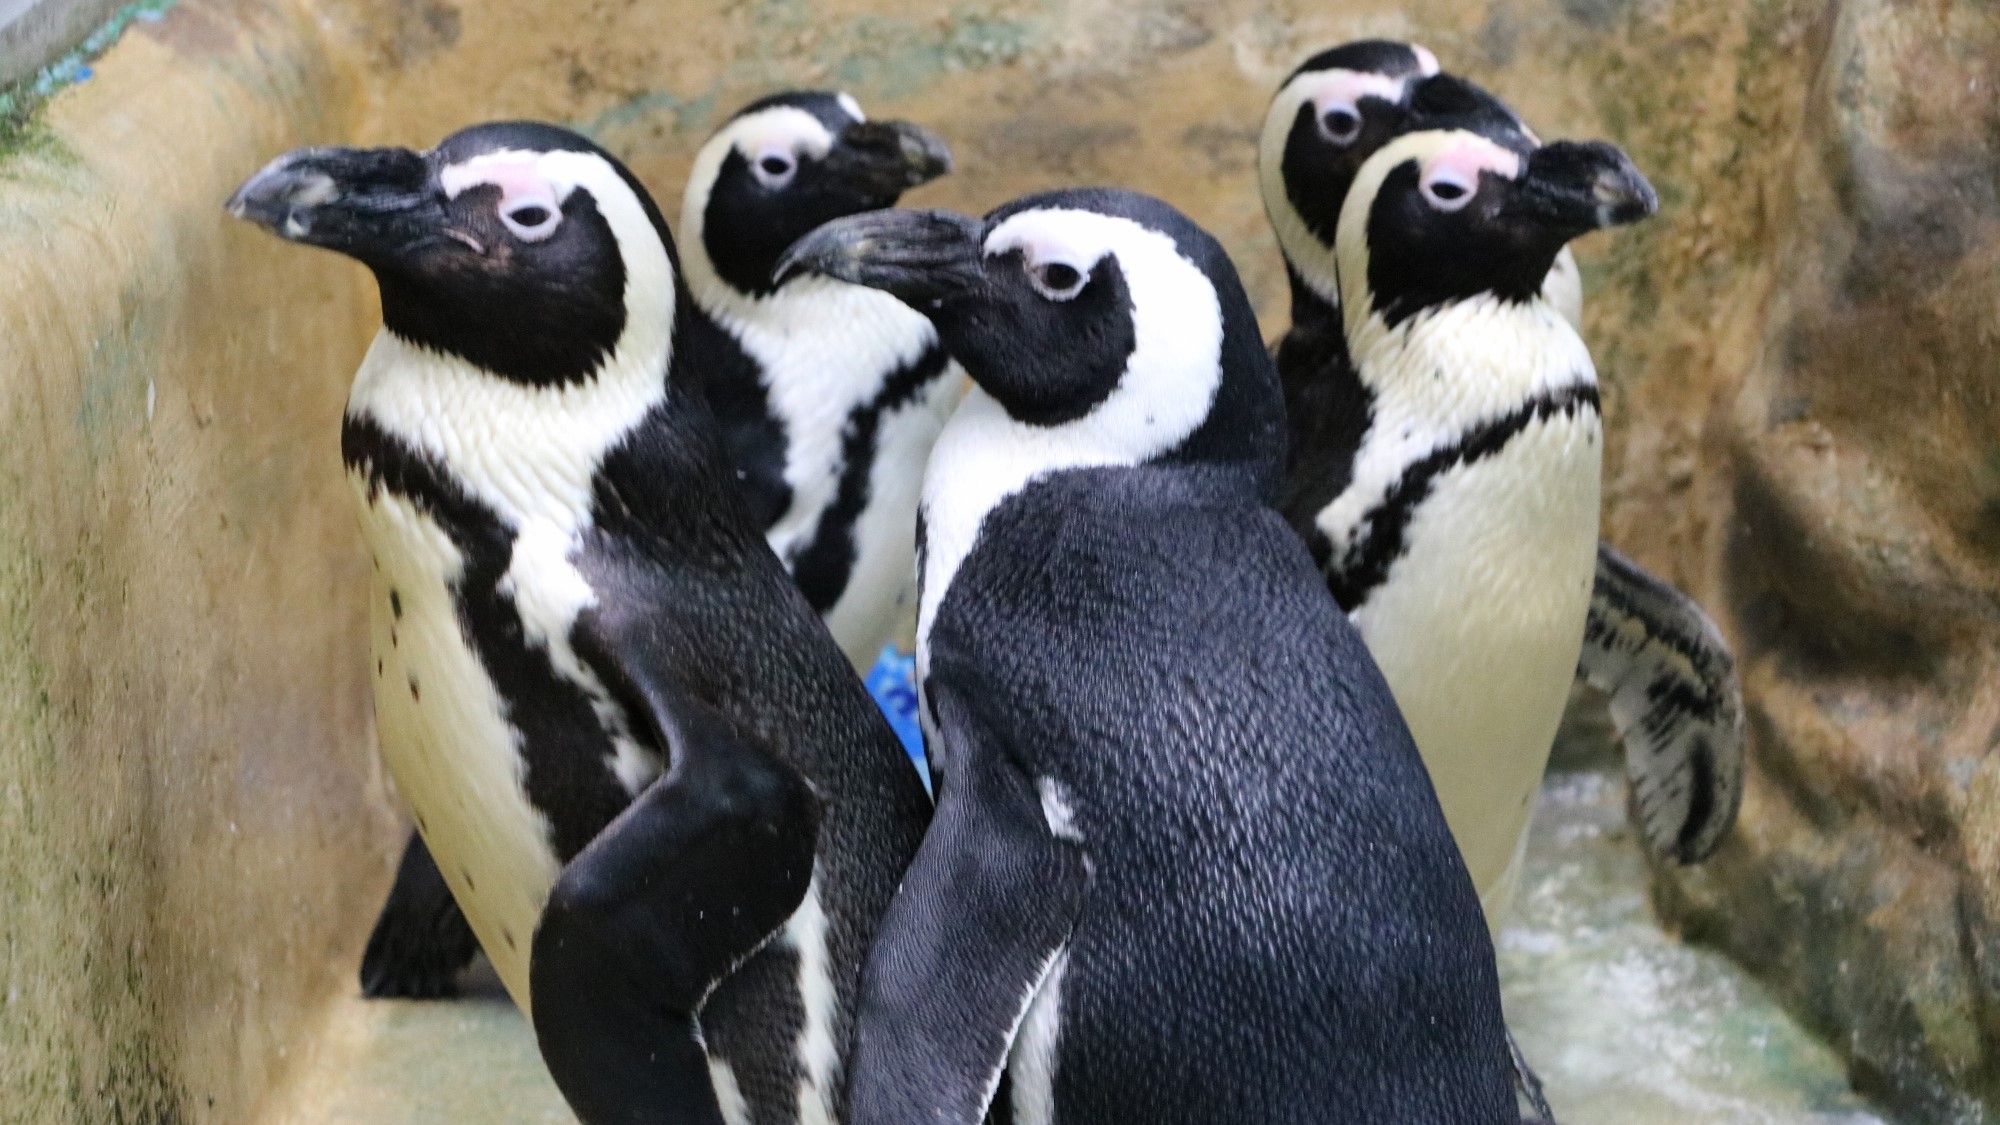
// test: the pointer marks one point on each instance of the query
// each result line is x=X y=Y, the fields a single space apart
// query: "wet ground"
x=1626 y=1024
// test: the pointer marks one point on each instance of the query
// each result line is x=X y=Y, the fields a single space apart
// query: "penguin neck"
x=1317 y=336
x=821 y=342
x=1453 y=365
x=528 y=453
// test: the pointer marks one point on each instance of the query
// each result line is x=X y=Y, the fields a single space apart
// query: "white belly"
x=1479 y=626
x=446 y=741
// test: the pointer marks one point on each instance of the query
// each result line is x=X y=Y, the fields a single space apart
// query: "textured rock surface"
x=1864 y=471
x=189 y=816
x=1803 y=432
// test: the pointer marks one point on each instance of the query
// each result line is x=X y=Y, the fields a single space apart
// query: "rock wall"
x=190 y=818
x=1803 y=426
x=1863 y=475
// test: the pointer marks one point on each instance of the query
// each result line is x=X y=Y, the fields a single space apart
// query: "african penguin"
x=671 y=814
x=1645 y=643
x=1464 y=540
x=828 y=397
x=1186 y=865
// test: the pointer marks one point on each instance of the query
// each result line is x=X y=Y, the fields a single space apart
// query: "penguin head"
x=519 y=247
x=1469 y=204
x=786 y=164
x=1330 y=115
x=1102 y=315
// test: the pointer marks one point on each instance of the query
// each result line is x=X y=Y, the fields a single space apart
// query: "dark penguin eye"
x=1340 y=124
x=531 y=222
x=775 y=169
x=1058 y=281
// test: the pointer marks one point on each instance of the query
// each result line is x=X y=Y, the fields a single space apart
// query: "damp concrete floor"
x=1624 y=1022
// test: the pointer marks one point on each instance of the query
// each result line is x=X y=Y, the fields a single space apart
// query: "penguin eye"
x=531 y=221
x=1448 y=190
x=1340 y=123
x=1057 y=280
x=775 y=169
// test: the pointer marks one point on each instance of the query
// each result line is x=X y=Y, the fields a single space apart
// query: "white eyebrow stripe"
x=517 y=174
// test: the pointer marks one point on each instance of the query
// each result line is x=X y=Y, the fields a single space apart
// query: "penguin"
x=828 y=397
x=1676 y=698
x=1186 y=866
x=1463 y=542
x=829 y=394
x=670 y=813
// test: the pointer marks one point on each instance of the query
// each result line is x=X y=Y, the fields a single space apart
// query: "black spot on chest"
x=562 y=743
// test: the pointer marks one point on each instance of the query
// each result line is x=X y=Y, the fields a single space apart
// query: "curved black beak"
x=884 y=159
x=363 y=202
x=919 y=257
x=1576 y=187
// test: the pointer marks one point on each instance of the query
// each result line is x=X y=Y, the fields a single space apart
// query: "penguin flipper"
x=1675 y=701
x=421 y=940
x=983 y=912
x=687 y=883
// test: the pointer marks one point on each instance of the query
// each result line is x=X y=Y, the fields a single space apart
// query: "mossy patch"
x=22 y=131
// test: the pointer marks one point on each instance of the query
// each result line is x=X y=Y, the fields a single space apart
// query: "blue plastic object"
x=893 y=683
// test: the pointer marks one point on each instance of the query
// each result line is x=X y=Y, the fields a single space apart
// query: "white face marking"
x=852 y=107
x=1325 y=90
x=782 y=134
x=530 y=202
x=817 y=1049
x=1450 y=177
x=984 y=456
x=1034 y=1057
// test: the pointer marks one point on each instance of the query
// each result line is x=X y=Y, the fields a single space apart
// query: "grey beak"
x=919 y=257
x=1578 y=187
x=887 y=158
x=359 y=201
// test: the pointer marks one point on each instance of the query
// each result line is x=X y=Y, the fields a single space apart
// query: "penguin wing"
x=1675 y=701
x=985 y=908
x=686 y=884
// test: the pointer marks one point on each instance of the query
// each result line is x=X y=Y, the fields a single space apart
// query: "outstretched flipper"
x=982 y=914
x=1675 y=701
x=421 y=940
x=685 y=885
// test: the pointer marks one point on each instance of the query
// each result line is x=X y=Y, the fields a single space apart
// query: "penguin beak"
x=920 y=257
x=883 y=159
x=1573 y=187
x=368 y=203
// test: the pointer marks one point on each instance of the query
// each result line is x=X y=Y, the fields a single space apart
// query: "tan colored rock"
x=1861 y=567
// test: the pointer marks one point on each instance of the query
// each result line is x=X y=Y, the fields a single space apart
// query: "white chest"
x=826 y=349
x=883 y=578
x=446 y=740
x=1478 y=621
